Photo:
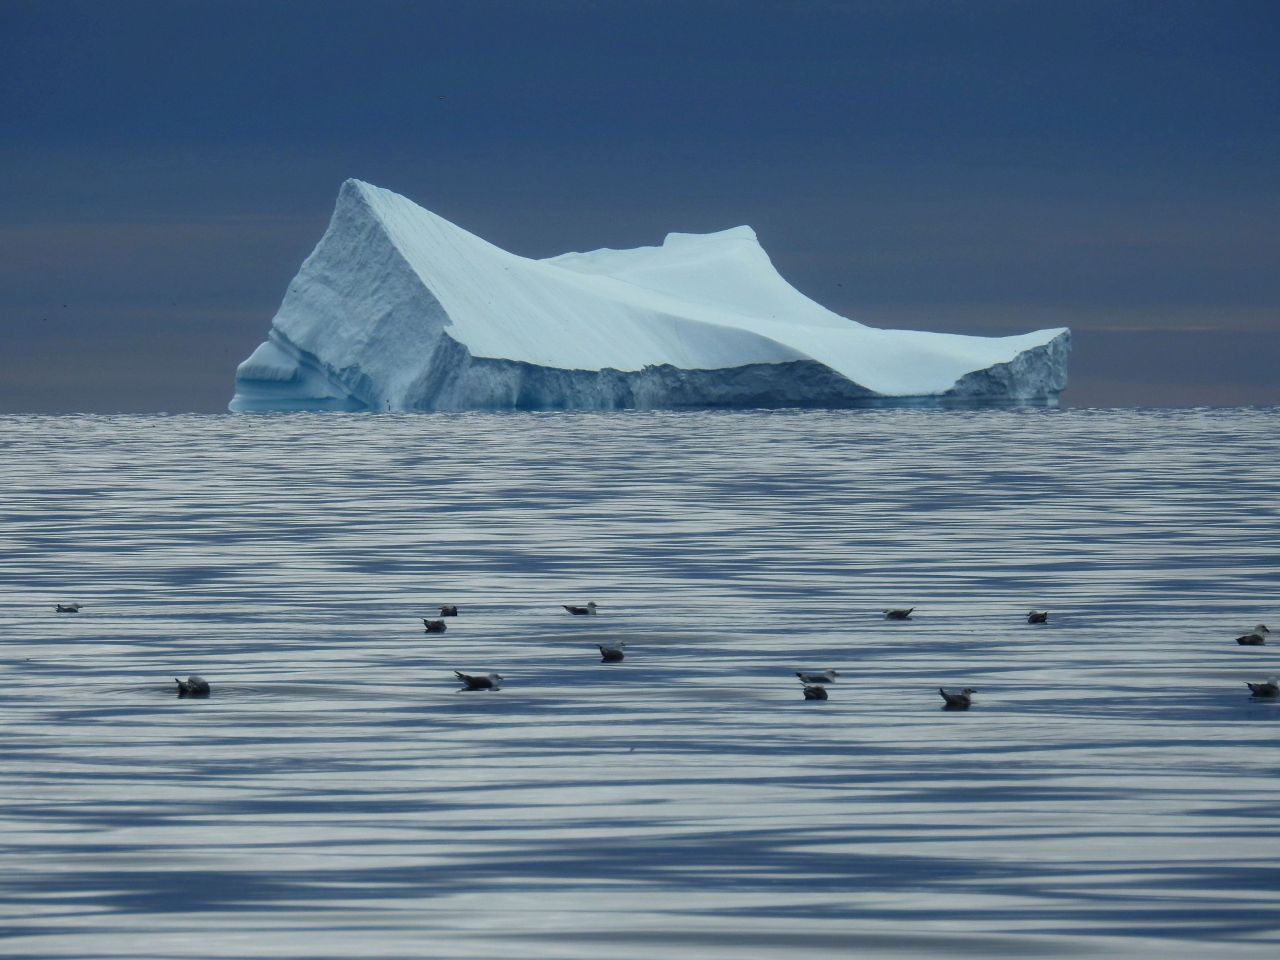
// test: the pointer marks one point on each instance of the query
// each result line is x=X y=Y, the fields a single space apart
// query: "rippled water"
x=1113 y=790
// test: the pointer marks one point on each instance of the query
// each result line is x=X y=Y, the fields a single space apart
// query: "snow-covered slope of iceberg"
x=398 y=309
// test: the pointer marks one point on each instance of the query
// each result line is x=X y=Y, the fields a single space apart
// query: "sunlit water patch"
x=1112 y=791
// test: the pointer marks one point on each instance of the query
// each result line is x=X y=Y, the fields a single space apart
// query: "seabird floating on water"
x=66 y=608
x=612 y=654
x=1255 y=639
x=1037 y=616
x=488 y=682
x=815 y=692
x=434 y=626
x=898 y=614
x=193 y=686
x=958 y=701
x=449 y=610
x=586 y=611
x=1269 y=688
x=826 y=676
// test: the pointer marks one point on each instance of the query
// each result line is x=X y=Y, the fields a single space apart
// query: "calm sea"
x=1113 y=791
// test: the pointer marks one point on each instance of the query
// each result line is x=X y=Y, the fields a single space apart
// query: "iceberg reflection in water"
x=1111 y=790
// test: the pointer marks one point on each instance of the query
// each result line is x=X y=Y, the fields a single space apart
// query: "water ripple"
x=1111 y=791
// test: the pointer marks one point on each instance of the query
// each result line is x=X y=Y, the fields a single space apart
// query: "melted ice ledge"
x=398 y=309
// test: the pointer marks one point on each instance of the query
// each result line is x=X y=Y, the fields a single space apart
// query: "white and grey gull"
x=612 y=653
x=193 y=686
x=1256 y=638
x=1268 y=688
x=489 y=681
x=957 y=701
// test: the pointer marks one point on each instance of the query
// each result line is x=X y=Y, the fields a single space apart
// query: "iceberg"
x=399 y=309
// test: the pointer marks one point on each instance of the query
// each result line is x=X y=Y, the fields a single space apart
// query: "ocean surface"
x=1114 y=790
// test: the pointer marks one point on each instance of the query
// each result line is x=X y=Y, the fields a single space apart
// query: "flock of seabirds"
x=814 y=682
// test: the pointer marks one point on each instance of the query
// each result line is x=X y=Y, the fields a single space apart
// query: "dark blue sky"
x=976 y=167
